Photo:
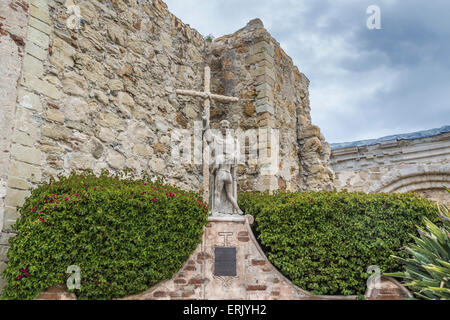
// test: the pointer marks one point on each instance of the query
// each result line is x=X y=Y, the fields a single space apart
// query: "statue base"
x=228 y=264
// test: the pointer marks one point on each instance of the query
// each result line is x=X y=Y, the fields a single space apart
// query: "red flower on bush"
x=154 y=200
x=171 y=195
x=24 y=272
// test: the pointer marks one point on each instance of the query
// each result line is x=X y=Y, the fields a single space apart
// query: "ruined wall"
x=251 y=65
x=101 y=96
x=99 y=93
x=13 y=30
x=415 y=165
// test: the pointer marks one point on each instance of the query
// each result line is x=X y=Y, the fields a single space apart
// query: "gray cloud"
x=364 y=83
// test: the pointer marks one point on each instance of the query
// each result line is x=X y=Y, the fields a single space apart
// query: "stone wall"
x=409 y=165
x=274 y=94
x=13 y=31
x=100 y=94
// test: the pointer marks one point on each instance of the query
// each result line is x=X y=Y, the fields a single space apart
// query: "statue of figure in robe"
x=224 y=156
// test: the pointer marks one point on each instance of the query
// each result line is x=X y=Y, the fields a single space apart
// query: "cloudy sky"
x=364 y=83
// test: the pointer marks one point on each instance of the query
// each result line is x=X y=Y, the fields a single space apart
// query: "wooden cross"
x=207 y=96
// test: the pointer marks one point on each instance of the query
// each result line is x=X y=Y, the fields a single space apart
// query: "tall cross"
x=207 y=97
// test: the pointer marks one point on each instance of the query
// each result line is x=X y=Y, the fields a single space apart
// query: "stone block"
x=3 y=266
x=309 y=131
x=115 y=85
x=251 y=59
x=26 y=154
x=265 y=78
x=32 y=66
x=260 y=71
x=267 y=183
x=41 y=86
x=256 y=262
x=62 y=54
x=39 y=38
x=267 y=64
x=40 y=13
x=264 y=100
x=256 y=288
x=55 y=115
x=264 y=56
x=15 y=198
x=17 y=183
x=264 y=90
x=42 y=4
x=116 y=160
x=9 y=219
x=3 y=258
x=157 y=165
x=29 y=100
x=25 y=171
x=263 y=46
x=22 y=138
x=4 y=240
x=160 y=294
x=81 y=161
x=74 y=84
x=39 y=25
x=312 y=145
x=56 y=132
x=262 y=107
x=106 y=135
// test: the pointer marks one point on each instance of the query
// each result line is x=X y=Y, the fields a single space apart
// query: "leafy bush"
x=209 y=38
x=325 y=241
x=427 y=272
x=125 y=235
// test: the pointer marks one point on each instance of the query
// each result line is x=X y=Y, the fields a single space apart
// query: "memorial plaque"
x=225 y=262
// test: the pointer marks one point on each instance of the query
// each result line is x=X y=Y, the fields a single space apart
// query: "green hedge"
x=125 y=235
x=325 y=241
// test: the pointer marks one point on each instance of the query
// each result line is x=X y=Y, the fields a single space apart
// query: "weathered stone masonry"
x=418 y=162
x=256 y=278
x=274 y=94
x=103 y=97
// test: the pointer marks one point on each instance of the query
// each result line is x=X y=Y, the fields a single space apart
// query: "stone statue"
x=224 y=151
x=207 y=97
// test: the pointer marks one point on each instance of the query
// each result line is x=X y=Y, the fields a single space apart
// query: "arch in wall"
x=415 y=178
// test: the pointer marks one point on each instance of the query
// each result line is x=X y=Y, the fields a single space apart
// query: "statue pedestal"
x=228 y=264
